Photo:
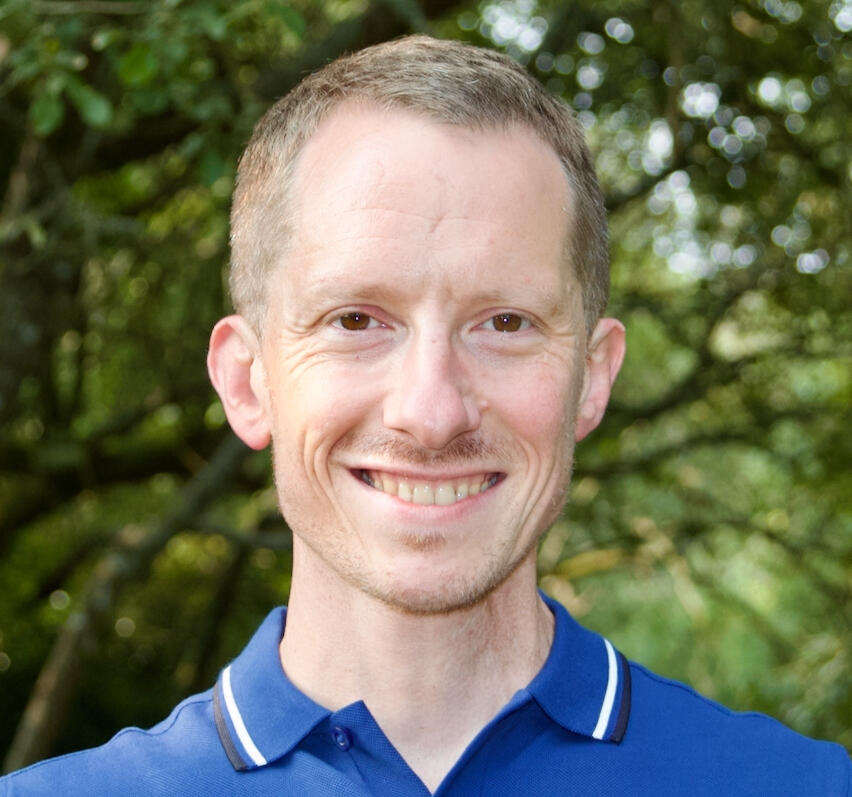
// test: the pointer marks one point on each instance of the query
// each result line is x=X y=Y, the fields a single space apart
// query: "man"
x=419 y=267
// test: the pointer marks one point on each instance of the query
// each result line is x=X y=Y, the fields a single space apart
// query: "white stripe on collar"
x=237 y=720
x=609 y=695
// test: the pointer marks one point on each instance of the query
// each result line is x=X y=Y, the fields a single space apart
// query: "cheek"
x=315 y=409
x=539 y=406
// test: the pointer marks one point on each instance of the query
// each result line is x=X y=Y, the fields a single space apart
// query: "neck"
x=430 y=681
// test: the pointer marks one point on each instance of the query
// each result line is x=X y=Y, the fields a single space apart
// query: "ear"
x=236 y=371
x=603 y=361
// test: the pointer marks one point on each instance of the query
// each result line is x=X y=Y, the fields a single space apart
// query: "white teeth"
x=423 y=494
x=445 y=495
x=442 y=494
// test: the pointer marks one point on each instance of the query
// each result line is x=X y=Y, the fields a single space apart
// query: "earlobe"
x=603 y=361
x=236 y=371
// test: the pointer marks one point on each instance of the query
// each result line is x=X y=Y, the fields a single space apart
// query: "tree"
x=709 y=528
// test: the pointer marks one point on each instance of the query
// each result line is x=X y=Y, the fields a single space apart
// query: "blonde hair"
x=448 y=81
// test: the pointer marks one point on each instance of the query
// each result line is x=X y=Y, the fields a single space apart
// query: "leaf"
x=216 y=25
x=103 y=38
x=46 y=114
x=291 y=17
x=150 y=100
x=35 y=232
x=24 y=71
x=93 y=107
x=138 y=66
x=211 y=166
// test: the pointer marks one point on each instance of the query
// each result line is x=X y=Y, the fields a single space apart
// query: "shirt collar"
x=261 y=716
x=584 y=685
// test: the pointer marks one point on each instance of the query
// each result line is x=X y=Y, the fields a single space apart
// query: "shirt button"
x=341 y=737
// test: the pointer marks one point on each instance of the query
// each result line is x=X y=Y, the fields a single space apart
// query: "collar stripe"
x=609 y=695
x=624 y=712
x=224 y=736
x=237 y=720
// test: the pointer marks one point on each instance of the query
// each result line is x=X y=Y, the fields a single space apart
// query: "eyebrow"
x=334 y=290
x=540 y=299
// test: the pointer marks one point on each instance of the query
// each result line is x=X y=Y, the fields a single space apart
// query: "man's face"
x=423 y=354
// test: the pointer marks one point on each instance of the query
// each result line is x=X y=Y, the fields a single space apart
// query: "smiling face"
x=423 y=357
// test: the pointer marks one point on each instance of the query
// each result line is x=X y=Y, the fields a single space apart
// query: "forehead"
x=395 y=186
x=374 y=152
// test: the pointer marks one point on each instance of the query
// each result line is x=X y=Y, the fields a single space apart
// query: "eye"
x=508 y=322
x=355 y=321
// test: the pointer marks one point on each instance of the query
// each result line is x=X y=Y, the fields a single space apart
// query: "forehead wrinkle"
x=374 y=174
x=394 y=229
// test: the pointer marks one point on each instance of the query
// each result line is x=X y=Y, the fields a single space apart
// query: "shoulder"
x=669 y=720
x=180 y=755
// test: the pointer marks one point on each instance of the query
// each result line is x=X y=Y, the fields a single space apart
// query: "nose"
x=431 y=397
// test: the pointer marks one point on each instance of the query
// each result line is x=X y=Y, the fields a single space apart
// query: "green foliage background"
x=709 y=530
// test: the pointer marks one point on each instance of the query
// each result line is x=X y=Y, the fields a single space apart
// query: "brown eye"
x=507 y=322
x=355 y=321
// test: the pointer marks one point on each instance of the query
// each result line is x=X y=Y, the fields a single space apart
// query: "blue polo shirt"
x=590 y=723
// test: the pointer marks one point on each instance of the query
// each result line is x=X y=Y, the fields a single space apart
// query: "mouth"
x=426 y=492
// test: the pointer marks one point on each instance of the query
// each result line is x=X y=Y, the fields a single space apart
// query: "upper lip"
x=427 y=475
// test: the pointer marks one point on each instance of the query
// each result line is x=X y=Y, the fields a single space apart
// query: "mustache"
x=460 y=450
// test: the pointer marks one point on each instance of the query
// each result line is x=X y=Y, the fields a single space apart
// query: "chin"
x=431 y=602
x=439 y=591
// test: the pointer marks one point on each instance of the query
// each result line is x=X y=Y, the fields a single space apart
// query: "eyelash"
x=357 y=317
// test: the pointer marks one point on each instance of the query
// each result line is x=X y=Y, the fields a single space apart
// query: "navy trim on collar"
x=624 y=711
x=584 y=685
x=264 y=716
x=237 y=761
x=261 y=716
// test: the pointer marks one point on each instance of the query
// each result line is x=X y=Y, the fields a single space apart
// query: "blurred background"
x=709 y=533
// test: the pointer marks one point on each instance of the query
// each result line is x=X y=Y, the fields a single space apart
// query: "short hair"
x=447 y=81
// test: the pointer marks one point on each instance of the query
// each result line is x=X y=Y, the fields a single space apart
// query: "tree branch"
x=128 y=560
x=89 y=7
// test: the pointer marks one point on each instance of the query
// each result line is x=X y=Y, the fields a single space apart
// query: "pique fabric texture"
x=589 y=723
